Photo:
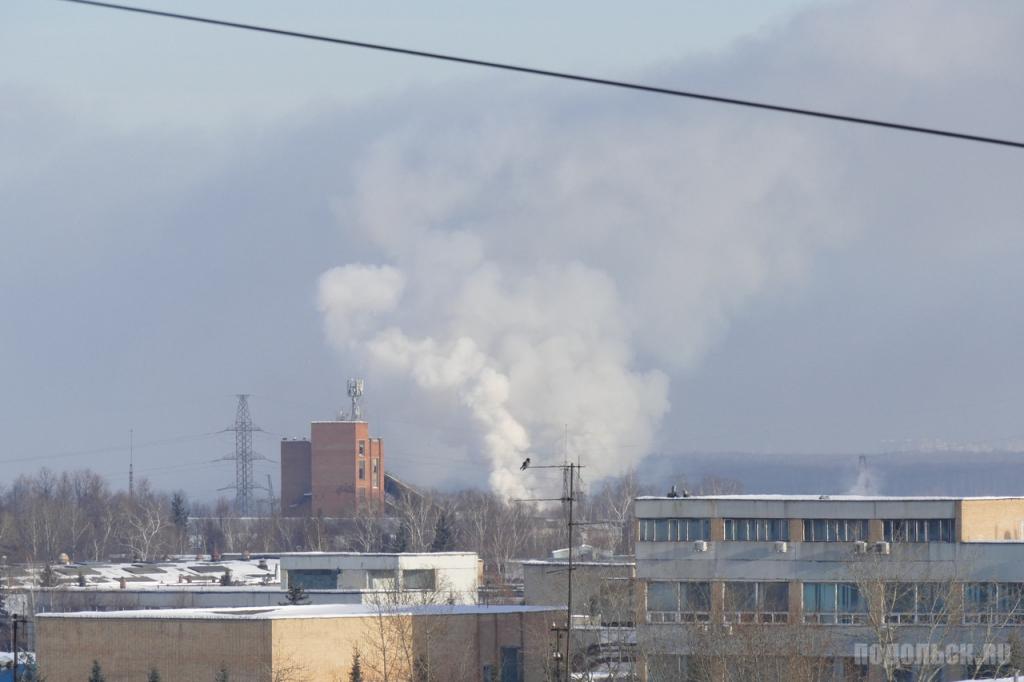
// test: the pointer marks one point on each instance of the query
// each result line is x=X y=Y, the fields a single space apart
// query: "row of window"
x=375 y=579
x=695 y=668
x=762 y=530
x=815 y=530
x=840 y=603
x=919 y=530
x=674 y=530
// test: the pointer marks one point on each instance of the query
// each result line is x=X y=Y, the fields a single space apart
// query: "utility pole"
x=131 y=463
x=15 y=619
x=571 y=471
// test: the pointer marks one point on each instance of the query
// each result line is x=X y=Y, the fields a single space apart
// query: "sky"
x=517 y=267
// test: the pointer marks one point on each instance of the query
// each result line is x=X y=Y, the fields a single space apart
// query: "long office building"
x=830 y=587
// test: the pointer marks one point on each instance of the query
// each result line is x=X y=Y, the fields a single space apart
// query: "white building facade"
x=451 y=577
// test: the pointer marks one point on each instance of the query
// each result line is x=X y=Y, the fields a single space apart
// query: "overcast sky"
x=190 y=212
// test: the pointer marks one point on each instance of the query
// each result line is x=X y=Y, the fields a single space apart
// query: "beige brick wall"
x=990 y=520
x=127 y=648
x=455 y=647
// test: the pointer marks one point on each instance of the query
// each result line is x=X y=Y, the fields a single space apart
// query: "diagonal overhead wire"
x=640 y=87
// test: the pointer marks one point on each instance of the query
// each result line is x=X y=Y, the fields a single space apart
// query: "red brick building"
x=338 y=471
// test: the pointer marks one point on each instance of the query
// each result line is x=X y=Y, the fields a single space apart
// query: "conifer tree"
x=356 y=674
x=222 y=675
x=179 y=512
x=96 y=674
x=48 y=578
x=443 y=535
x=154 y=675
x=401 y=540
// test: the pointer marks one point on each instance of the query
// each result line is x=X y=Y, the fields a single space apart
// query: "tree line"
x=76 y=513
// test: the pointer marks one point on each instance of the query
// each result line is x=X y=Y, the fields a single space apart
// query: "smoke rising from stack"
x=549 y=274
x=555 y=254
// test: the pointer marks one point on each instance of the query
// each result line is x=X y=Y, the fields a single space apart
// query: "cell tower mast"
x=355 y=392
x=244 y=458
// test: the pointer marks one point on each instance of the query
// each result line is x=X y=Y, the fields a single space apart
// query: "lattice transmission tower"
x=245 y=485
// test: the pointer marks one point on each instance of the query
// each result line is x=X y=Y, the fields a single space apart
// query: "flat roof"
x=564 y=562
x=830 y=498
x=374 y=554
x=302 y=611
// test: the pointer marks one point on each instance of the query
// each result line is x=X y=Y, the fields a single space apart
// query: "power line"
x=814 y=113
x=119 y=448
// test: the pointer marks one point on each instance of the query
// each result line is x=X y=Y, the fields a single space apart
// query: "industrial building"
x=854 y=587
x=312 y=643
x=338 y=471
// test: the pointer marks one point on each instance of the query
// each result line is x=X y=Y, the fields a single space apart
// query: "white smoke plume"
x=866 y=483
x=555 y=271
x=554 y=255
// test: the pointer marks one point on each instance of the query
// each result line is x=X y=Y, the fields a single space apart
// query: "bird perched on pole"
x=526 y=464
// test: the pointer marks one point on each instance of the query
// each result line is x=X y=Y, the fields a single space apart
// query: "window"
x=763 y=530
x=919 y=530
x=748 y=602
x=673 y=602
x=377 y=579
x=418 y=579
x=834 y=603
x=835 y=530
x=674 y=530
x=362 y=448
x=362 y=470
x=908 y=603
x=376 y=472
x=996 y=603
x=314 y=579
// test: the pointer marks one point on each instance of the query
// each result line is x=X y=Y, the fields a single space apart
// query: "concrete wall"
x=797 y=508
x=604 y=587
x=828 y=561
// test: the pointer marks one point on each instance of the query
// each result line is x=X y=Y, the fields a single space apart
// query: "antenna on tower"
x=355 y=392
x=243 y=458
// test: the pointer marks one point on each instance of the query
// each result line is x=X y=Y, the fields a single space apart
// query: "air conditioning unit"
x=882 y=547
x=700 y=546
x=781 y=547
x=860 y=547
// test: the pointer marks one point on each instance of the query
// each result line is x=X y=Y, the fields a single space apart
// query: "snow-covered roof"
x=563 y=562
x=303 y=611
x=375 y=554
x=177 y=574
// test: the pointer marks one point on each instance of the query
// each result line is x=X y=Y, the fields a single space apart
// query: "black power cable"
x=566 y=76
